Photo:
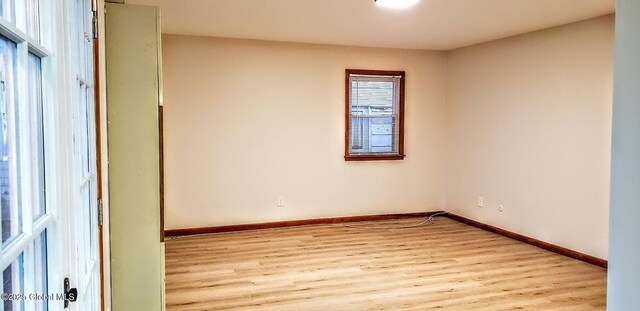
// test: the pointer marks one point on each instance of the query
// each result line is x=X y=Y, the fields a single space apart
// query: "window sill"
x=373 y=157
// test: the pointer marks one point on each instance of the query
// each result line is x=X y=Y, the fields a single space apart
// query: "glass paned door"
x=48 y=180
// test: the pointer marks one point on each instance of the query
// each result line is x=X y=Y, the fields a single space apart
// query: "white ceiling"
x=430 y=24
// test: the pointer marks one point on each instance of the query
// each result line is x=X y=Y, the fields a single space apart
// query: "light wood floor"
x=444 y=266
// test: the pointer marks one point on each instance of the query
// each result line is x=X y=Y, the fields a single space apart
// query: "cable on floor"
x=429 y=220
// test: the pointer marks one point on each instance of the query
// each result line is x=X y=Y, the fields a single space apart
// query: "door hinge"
x=94 y=18
x=94 y=23
x=100 y=209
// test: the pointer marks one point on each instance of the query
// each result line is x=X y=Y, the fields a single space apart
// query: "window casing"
x=374 y=115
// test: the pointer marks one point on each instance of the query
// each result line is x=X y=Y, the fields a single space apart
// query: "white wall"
x=624 y=271
x=528 y=126
x=248 y=121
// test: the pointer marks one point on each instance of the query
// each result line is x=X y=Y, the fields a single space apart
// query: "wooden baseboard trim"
x=535 y=242
x=339 y=220
x=291 y=223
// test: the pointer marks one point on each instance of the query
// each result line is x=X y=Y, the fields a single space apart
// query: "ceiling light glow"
x=396 y=4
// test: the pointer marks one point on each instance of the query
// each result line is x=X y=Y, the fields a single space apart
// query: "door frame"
x=102 y=152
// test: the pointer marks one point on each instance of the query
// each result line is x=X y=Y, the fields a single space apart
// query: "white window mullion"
x=2 y=282
x=14 y=249
x=24 y=126
x=29 y=277
x=55 y=120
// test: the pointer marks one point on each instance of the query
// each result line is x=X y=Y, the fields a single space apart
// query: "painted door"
x=84 y=248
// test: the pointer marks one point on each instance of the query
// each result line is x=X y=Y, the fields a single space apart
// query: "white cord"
x=177 y=237
x=428 y=220
x=431 y=219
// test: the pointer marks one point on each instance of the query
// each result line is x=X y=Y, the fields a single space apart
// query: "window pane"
x=13 y=277
x=33 y=19
x=86 y=205
x=82 y=36
x=83 y=131
x=373 y=103
x=8 y=10
x=372 y=97
x=373 y=134
x=9 y=182
x=35 y=102
x=40 y=265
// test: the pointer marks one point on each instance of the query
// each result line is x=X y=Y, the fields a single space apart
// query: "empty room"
x=356 y=155
x=189 y=155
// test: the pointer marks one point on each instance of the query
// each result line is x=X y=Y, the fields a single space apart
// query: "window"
x=374 y=115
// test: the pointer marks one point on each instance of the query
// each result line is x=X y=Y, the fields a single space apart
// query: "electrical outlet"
x=280 y=201
x=500 y=208
x=480 y=202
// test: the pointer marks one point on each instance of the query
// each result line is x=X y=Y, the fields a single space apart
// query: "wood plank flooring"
x=444 y=265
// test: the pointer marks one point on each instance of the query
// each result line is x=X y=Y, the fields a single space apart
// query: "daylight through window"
x=374 y=115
